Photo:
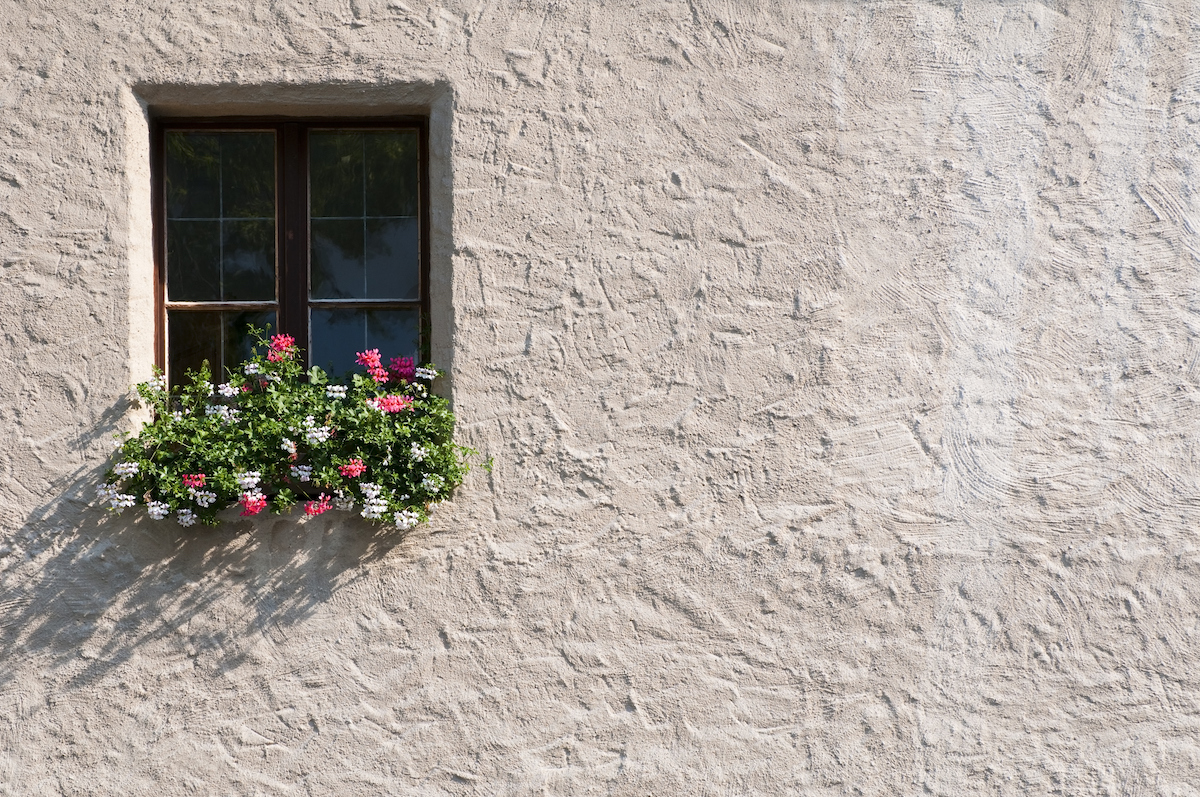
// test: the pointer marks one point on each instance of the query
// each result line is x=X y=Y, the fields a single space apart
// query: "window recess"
x=318 y=228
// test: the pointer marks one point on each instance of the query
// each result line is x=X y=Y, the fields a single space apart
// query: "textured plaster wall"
x=840 y=363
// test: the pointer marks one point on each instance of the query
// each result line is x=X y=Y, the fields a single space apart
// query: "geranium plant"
x=272 y=435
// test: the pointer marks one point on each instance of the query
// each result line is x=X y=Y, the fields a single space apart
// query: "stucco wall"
x=839 y=361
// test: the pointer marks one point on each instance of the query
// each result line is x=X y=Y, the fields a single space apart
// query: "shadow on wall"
x=94 y=588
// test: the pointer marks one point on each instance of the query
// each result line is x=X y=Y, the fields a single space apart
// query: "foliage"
x=274 y=435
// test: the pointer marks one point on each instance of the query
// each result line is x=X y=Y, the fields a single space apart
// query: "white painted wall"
x=839 y=361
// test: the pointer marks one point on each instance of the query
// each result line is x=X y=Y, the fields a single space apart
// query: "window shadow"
x=83 y=590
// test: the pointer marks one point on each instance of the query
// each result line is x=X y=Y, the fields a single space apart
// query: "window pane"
x=390 y=161
x=363 y=215
x=248 y=260
x=336 y=259
x=220 y=216
x=335 y=175
x=338 y=335
x=193 y=261
x=248 y=175
x=392 y=262
x=193 y=182
x=222 y=338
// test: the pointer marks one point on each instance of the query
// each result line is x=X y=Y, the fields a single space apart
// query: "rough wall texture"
x=840 y=363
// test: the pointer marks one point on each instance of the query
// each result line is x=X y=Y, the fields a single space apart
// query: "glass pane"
x=193 y=179
x=392 y=177
x=220 y=216
x=248 y=175
x=191 y=339
x=248 y=260
x=219 y=337
x=238 y=342
x=396 y=333
x=392 y=261
x=337 y=259
x=335 y=176
x=338 y=335
x=193 y=261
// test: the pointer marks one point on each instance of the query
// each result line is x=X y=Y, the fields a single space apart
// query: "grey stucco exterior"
x=840 y=363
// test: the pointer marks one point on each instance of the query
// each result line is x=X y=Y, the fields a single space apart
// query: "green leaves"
x=298 y=432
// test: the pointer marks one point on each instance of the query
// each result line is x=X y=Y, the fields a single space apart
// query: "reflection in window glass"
x=363 y=191
x=220 y=216
x=221 y=338
x=338 y=335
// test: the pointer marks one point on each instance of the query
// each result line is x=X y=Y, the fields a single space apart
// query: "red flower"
x=282 y=347
x=404 y=369
x=193 y=481
x=317 y=507
x=390 y=403
x=353 y=469
x=253 y=503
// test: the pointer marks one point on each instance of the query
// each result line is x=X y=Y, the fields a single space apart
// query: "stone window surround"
x=144 y=103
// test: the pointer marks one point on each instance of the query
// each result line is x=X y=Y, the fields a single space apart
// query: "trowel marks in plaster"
x=837 y=362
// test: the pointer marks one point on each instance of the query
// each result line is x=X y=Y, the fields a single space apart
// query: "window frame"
x=292 y=245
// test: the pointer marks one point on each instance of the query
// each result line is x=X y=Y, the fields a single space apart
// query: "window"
x=318 y=228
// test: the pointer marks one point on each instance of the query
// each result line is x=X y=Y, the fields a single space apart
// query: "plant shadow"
x=83 y=591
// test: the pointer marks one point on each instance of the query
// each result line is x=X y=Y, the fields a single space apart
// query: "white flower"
x=419 y=453
x=313 y=433
x=342 y=501
x=186 y=517
x=426 y=373
x=406 y=519
x=106 y=492
x=302 y=472
x=373 y=508
x=288 y=446
x=227 y=390
x=274 y=378
x=121 y=501
x=248 y=480
x=251 y=368
x=209 y=385
x=221 y=411
x=158 y=509
x=431 y=484
x=177 y=416
x=203 y=498
x=126 y=469
x=335 y=391
x=158 y=383
x=419 y=389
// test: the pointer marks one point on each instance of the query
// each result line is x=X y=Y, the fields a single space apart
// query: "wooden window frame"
x=291 y=223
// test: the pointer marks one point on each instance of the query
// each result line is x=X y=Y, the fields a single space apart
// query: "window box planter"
x=273 y=436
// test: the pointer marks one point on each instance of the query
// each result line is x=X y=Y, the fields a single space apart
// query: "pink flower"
x=404 y=369
x=282 y=347
x=193 y=481
x=317 y=507
x=245 y=388
x=369 y=359
x=390 y=403
x=353 y=469
x=253 y=503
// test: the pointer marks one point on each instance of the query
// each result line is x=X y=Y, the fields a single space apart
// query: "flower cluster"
x=369 y=359
x=272 y=435
x=281 y=347
x=403 y=369
x=390 y=403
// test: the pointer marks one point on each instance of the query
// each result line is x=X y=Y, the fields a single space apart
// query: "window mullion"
x=293 y=210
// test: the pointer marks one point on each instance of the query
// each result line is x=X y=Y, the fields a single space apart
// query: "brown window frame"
x=291 y=223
